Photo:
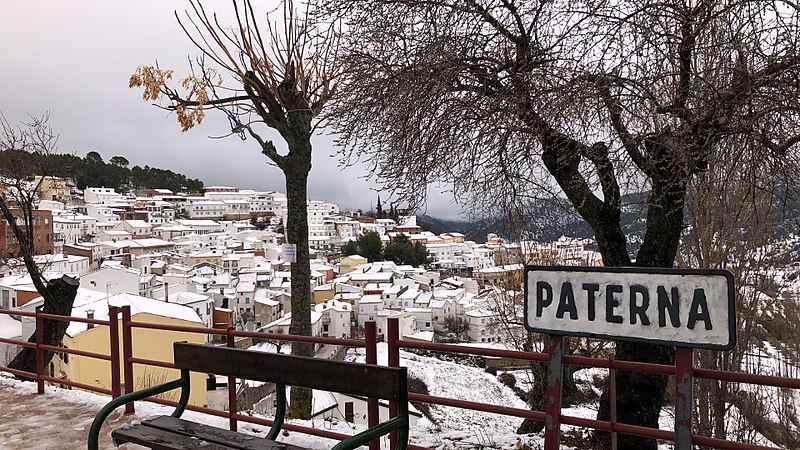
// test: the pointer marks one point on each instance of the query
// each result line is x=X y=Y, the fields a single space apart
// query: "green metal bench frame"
x=272 y=373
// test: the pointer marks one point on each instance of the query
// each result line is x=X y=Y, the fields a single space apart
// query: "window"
x=348 y=411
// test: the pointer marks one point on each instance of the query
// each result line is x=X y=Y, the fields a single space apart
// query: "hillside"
x=545 y=221
x=93 y=171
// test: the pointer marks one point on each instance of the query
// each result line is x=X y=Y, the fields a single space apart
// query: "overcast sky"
x=73 y=59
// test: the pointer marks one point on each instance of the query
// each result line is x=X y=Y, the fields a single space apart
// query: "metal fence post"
x=232 y=405
x=113 y=338
x=373 y=412
x=684 y=402
x=127 y=354
x=612 y=400
x=39 y=351
x=392 y=336
x=552 y=424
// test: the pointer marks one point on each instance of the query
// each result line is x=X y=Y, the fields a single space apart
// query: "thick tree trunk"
x=639 y=395
x=62 y=293
x=296 y=170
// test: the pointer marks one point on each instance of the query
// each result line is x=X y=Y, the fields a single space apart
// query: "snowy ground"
x=61 y=418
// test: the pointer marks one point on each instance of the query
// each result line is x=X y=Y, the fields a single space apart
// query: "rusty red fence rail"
x=121 y=358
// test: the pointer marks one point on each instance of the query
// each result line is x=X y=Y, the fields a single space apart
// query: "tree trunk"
x=63 y=291
x=296 y=170
x=640 y=395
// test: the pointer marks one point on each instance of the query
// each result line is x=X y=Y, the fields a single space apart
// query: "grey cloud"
x=74 y=59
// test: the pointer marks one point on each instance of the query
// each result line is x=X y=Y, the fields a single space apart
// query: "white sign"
x=289 y=252
x=680 y=307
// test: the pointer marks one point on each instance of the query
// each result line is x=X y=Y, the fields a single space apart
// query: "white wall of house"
x=65 y=231
x=69 y=264
x=424 y=318
x=482 y=325
x=102 y=195
x=335 y=318
x=368 y=308
x=112 y=281
x=205 y=209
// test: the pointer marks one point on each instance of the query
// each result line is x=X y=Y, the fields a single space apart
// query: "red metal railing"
x=122 y=368
x=395 y=344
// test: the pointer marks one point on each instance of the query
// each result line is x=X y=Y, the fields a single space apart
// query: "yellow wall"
x=52 y=188
x=148 y=344
x=322 y=295
x=347 y=263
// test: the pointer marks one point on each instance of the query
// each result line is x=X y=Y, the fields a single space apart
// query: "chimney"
x=166 y=292
x=89 y=315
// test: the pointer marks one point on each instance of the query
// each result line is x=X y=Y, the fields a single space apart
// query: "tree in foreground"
x=19 y=196
x=280 y=81
x=511 y=101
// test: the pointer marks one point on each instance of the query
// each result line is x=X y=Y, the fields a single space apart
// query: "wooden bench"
x=172 y=432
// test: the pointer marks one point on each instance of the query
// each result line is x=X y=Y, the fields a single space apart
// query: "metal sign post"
x=684 y=308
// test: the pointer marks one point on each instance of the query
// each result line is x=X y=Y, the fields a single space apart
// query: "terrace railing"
x=122 y=366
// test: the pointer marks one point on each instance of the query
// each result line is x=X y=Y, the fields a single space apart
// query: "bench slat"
x=161 y=440
x=351 y=378
x=208 y=433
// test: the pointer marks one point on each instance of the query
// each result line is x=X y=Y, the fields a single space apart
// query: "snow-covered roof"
x=246 y=286
x=185 y=298
x=139 y=305
x=409 y=294
x=151 y=242
x=267 y=301
x=138 y=224
x=334 y=305
x=480 y=312
x=10 y=328
x=371 y=299
x=371 y=276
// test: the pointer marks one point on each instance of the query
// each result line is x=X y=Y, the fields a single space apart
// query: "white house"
x=338 y=406
x=201 y=226
x=114 y=235
x=138 y=229
x=202 y=304
x=72 y=265
x=102 y=195
x=113 y=279
x=65 y=231
x=236 y=209
x=336 y=318
x=482 y=325
x=424 y=318
x=368 y=308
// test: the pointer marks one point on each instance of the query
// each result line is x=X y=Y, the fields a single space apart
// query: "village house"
x=148 y=343
x=139 y=229
x=65 y=231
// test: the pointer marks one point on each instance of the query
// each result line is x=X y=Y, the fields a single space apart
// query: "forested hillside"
x=91 y=170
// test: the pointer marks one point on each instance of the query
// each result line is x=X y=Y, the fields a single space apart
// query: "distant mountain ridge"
x=553 y=218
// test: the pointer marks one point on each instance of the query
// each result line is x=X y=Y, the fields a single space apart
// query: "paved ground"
x=51 y=420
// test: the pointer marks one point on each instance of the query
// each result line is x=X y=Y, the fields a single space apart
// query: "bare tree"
x=19 y=196
x=509 y=101
x=459 y=326
x=281 y=78
x=736 y=216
